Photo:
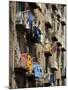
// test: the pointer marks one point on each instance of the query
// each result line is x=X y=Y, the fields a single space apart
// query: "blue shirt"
x=37 y=33
x=31 y=18
x=37 y=70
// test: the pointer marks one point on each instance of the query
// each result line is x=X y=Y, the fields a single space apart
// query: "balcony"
x=63 y=75
x=48 y=20
x=54 y=7
x=54 y=38
x=21 y=16
x=63 y=49
x=58 y=14
x=59 y=44
x=24 y=20
x=20 y=70
x=34 y=6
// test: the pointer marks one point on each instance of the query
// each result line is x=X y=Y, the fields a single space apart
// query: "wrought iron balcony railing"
x=22 y=16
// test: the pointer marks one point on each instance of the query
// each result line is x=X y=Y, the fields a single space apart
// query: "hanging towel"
x=29 y=63
x=42 y=38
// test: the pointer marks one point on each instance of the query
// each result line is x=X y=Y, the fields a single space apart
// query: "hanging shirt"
x=37 y=70
x=30 y=18
x=37 y=33
x=54 y=65
x=23 y=59
x=25 y=17
x=42 y=38
x=27 y=25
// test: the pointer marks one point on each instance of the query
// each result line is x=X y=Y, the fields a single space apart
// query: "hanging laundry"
x=24 y=56
x=30 y=18
x=25 y=14
x=23 y=60
x=37 y=33
x=48 y=46
x=42 y=38
x=37 y=70
x=27 y=26
x=54 y=65
x=29 y=63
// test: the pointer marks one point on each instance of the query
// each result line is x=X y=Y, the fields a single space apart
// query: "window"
x=62 y=28
x=58 y=54
x=62 y=11
x=20 y=6
x=47 y=36
x=57 y=26
x=47 y=6
x=53 y=21
x=39 y=54
x=54 y=24
x=47 y=32
x=18 y=38
x=62 y=60
x=46 y=64
x=52 y=16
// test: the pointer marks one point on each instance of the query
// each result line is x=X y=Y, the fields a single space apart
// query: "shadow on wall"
x=20 y=80
x=23 y=81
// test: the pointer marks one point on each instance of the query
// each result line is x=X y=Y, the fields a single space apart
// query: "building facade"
x=37 y=44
